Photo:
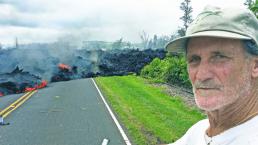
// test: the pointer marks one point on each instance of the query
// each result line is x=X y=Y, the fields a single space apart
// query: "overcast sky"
x=108 y=20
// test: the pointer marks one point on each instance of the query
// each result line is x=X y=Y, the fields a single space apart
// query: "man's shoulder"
x=200 y=125
x=198 y=129
x=249 y=132
x=195 y=134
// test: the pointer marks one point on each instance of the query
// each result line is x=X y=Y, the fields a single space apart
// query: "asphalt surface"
x=64 y=113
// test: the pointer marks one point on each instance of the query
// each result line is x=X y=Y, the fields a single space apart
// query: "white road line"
x=105 y=141
x=127 y=141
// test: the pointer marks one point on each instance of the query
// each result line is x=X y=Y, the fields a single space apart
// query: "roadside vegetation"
x=149 y=115
x=254 y=7
x=171 y=70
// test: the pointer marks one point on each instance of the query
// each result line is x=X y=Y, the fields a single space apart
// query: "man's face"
x=219 y=71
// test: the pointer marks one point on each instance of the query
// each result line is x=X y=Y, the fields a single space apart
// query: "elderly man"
x=221 y=48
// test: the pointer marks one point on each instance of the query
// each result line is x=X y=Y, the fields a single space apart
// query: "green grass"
x=149 y=115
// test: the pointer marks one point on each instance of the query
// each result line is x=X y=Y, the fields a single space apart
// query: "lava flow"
x=19 y=81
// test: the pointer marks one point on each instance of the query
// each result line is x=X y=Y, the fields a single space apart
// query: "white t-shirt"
x=244 y=134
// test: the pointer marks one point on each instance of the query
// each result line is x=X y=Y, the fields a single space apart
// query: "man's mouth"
x=207 y=88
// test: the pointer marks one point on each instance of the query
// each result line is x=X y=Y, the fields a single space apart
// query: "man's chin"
x=210 y=104
x=208 y=108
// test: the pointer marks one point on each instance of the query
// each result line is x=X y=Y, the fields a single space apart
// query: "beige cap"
x=234 y=23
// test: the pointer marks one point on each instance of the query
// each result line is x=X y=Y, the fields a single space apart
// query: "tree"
x=249 y=3
x=158 y=42
x=118 y=44
x=155 y=41
x=181 y=31
x=128 y=45
x=254 y=8
x=187 y=17
x=145 y=39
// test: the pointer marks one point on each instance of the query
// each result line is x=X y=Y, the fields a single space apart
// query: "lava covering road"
x=28 y=69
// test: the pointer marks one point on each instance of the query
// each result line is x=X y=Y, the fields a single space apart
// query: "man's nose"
x=204 y=72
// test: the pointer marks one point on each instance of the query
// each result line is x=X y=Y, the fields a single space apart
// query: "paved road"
x=65 y=113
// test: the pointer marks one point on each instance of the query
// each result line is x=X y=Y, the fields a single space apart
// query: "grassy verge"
x=149 y=115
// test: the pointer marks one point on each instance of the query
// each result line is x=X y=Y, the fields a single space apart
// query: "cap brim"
x=179 y=45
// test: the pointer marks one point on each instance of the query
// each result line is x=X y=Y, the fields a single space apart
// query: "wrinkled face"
x=219 y=71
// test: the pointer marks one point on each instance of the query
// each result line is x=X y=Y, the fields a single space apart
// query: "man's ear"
x=255 y=68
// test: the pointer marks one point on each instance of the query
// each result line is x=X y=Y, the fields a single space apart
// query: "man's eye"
x=219 y=56
x=194 y=60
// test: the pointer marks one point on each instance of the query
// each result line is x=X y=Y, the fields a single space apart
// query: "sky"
x=40 y=21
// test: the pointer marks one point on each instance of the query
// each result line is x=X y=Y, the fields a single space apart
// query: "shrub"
x=172 y=70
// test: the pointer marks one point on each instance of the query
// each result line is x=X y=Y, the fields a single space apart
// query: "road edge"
x=122 y=132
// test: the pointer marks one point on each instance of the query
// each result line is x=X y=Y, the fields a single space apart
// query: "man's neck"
x=234 y=114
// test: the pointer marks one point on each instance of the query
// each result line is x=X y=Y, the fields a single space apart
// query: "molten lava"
x=19 y=81
x=65 y=73
x=62 y=66
x=37 y=86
